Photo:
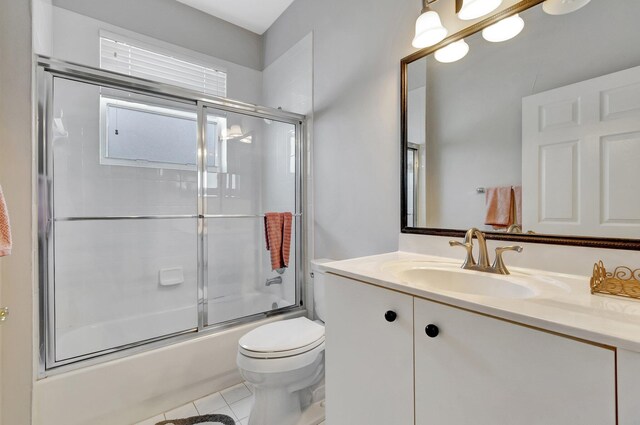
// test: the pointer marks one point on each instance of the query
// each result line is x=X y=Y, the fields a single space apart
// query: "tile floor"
x=234 y=401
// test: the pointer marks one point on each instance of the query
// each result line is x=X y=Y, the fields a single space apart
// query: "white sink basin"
x=460 y=281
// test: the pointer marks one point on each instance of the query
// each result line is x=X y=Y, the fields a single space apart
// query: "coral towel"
x=517 y=199
x=5 y=229
x=499 y=207
x=277 y=228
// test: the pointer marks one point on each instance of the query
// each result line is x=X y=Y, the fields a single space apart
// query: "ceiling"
x=254 y=15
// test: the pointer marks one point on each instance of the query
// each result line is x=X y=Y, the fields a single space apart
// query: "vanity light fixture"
x=474 y=9
x=561 y=7
x=452 y=52
x=429 y=29
x=504 y=29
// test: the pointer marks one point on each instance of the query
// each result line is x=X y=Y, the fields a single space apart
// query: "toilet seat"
x=281 y=346
x=280 y=364
x=282 y=339
x=280 y=354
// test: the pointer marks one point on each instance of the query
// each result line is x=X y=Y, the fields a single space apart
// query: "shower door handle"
x=4 y=314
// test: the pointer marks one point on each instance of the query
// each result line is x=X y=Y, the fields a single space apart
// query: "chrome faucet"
x=274 y=281
x=482 y=265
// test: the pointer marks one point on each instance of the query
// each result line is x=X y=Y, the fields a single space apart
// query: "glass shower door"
x=151 y=213
x=124 y=219
x=251 y=171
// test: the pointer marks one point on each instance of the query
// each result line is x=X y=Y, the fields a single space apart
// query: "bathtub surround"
x=287 y=83
x=78 y=203
x=116 y=226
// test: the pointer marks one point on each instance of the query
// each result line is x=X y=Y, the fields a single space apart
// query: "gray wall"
x=16 y=179
x=75 y=39
x=173 y=22
x=357 y=50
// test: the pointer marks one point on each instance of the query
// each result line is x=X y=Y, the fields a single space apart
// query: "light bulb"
x=504 y=29
x=429 y=30
x=473 y=9
x=561 y=7
x=452 y=52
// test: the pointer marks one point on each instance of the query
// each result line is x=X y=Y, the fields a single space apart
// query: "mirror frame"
x=593 y=242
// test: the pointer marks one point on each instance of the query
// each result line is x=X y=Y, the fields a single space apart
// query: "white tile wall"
x=287 y=83
x=85 y=187
x=106 y=278
x=107 y=284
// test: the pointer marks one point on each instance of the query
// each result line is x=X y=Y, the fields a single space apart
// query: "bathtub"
x=135 y=387
x=73 y=343
x=222 y=309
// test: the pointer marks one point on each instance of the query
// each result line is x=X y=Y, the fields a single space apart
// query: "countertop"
x=563 y=303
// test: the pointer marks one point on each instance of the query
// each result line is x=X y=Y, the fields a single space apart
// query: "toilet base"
x=313 y=415
x=282 y=398
x=275 y=405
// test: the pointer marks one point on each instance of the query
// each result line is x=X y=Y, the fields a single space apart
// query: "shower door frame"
x=46 y=70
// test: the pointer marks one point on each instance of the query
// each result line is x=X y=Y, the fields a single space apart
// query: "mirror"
x=536 y=138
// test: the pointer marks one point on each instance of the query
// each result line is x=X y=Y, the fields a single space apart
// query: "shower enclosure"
x=151 y=212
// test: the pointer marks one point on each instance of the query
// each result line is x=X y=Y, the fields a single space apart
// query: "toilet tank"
x=318 y=287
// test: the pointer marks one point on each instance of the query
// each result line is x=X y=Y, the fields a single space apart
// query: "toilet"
x=284 y=361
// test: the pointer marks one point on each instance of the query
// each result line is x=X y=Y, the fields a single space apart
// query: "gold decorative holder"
x=623 y=282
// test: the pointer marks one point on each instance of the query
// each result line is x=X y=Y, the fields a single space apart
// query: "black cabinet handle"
x=390 y=316
x=432 y=331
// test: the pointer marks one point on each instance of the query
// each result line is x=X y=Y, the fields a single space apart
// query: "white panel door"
x=369 y=360
x=580 y=156
x=483 y=371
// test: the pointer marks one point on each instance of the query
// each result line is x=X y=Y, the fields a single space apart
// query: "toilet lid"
x=282 y=336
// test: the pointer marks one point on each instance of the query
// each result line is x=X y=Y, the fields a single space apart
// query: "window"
x=142 y=135
x=139 y=134
x=126 y=58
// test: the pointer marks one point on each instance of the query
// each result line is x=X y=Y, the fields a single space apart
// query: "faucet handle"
x=469 y=261
x=498 y=264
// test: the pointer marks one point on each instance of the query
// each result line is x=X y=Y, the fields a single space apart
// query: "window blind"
x=131 y=60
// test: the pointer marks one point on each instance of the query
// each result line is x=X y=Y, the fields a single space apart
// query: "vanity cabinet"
x=434 y=364
x=484 y=371
x=369 y=367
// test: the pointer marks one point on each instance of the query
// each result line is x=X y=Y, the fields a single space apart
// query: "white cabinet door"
x=483 y=371
x=580 y=154
x=369 y=360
